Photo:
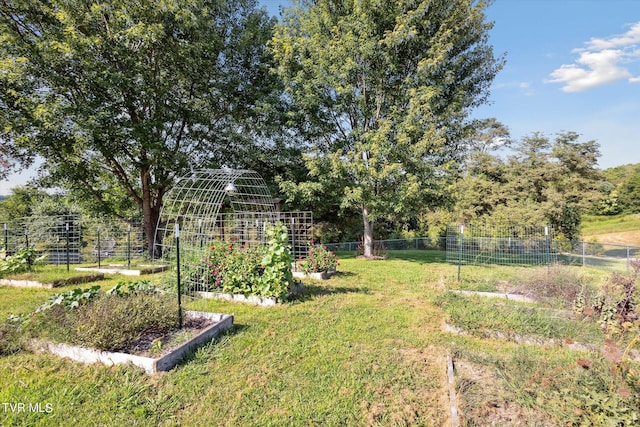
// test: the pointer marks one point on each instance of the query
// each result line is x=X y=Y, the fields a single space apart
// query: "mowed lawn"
x=366 y=347
x=361 y=348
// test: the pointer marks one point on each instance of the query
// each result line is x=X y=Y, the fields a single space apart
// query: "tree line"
x=358 y=110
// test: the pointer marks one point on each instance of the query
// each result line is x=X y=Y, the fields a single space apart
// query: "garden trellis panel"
x=481 y=245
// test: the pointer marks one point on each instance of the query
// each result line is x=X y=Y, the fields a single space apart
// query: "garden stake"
x=548 y=249
x=129 y=246
x=67 y=247
x=178 y=275
x=6 y=240
x=460 y=249
x=99 y=254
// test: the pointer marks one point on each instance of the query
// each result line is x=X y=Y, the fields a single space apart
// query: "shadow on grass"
x=419 y=256
x=225 y=336
x=312 y=291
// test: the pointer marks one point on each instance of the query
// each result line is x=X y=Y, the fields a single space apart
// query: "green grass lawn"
x=610 y=224
x=366 y=347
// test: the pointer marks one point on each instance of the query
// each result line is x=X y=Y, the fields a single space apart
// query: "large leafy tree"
x=119 y=98
x=383 y=89
x=542 y=182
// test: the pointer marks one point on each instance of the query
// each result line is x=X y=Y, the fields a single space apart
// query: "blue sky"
x=572 y=65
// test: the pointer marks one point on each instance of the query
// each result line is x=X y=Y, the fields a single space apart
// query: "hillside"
x=621 y=229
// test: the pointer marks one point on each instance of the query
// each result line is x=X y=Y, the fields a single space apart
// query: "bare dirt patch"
x=621 y=238
x=159 y=343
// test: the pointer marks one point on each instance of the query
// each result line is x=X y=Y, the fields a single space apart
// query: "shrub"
x=318 y=260
x=615 y=305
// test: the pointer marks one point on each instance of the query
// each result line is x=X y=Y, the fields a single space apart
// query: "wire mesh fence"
x=75 y=239
x=479 y=245
x=608 y=256
x=422 y=243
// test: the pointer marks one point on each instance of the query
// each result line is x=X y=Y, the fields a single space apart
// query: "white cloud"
x=524 y=88
x=602 y=61
x=631 y=37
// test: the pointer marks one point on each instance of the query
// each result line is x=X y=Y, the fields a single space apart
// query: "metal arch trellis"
x=222 y=205
x=197 y=204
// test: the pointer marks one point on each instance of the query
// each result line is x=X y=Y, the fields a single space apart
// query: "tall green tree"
x=121 y=97
x=383 y=89
x=629 y=191
x=543 y=182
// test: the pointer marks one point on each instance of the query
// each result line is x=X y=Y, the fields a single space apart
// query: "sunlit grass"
x=366 y=347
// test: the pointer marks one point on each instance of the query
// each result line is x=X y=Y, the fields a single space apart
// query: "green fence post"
x=67 y=245
x=99 y=250
x=460 y=240
x=129 y=246
x=178 y=275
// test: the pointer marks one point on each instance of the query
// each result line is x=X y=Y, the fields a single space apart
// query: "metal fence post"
x=99 y=249
x=547 y=249
x=178 y=275
x=628 y=259
x=129 y=246
x=460 y=240
x=293 y=238
x=584 y=252
x=67 y=243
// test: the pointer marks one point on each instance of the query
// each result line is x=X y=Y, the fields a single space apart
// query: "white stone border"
x=322 y=275
x=56 y=283
x=512 y=297
x=247 y=299
x=151 y=269
x=150 y=365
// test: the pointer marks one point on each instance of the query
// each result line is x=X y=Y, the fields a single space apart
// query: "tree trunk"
x=368 y=233
x=150 y=216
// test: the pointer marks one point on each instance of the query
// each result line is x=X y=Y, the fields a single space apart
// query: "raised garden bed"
x=321 y=275
x=210 y=326
x=247 y=299
x=20 y=283
x=121 y=269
